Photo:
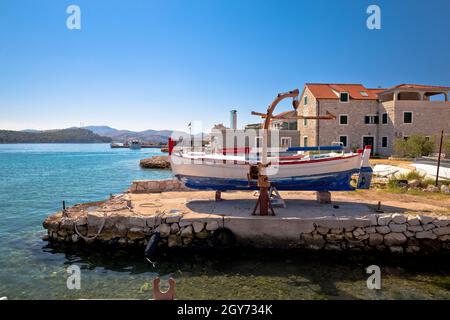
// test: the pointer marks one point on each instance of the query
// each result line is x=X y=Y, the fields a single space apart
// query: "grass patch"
x=416 y=192
x=428 y=181
x=410 y=175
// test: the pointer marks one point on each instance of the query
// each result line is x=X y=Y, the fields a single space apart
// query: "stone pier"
x=190 y=218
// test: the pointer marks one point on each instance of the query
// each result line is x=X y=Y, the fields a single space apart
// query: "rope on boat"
x=98 y=232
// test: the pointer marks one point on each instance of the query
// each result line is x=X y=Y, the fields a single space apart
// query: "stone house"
x=287 y=129
x=374 y=117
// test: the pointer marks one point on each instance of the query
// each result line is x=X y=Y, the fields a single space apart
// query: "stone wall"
x=395 y=233
x=153 y=186
x=132 y=230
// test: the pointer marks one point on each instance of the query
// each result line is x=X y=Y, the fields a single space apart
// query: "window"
x=363 y=93
x=285 y=142
x=258 y=142
x=405 y=138
x=384 y=142
x=427 y=138
x=343 y=97
x=305 y=141
x=343 y=119
x=371 y=119
x=384 y=118
x=293 y=125
x=407 y=117
x=305 y=100
x=305 y=122
x=343 y=140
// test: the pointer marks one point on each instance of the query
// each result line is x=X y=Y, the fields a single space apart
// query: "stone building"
x=287 y=129
x=374 y=117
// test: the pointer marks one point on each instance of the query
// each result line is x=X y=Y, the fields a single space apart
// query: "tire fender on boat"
x=152 y=244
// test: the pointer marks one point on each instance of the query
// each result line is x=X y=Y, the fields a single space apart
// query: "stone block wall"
x=154 y=186
x=395 y=233
x=132 y=230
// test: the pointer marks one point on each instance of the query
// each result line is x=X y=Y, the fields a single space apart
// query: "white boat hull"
x=327 y=174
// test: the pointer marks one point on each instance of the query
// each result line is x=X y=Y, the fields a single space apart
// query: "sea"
x=36 y=178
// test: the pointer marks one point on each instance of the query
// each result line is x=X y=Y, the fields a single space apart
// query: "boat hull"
x=330 y=174
x=335 y=181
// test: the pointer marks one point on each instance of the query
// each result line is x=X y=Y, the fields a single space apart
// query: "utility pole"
x=190 y=135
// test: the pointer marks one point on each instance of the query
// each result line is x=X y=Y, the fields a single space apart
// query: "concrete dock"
x=186 y=218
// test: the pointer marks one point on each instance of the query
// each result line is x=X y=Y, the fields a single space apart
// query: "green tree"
x=414 y=146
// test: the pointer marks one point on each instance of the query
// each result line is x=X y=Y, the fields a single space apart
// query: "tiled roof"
x=418 y=86
x=332 y=90
x=291 y=113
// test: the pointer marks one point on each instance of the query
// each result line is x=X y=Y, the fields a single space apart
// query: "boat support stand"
x=263 y=201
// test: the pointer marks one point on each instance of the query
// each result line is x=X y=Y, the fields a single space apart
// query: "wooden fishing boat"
x=324 y=172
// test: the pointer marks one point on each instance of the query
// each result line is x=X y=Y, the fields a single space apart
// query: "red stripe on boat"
x=224 y=161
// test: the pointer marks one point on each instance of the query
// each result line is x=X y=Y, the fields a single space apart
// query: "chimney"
x=233 y=119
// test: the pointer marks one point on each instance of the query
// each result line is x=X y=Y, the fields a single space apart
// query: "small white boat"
x=134 y=144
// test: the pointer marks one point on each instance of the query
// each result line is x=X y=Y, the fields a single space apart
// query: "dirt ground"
x=299 y=204
x=439 y=204
x=398 y=163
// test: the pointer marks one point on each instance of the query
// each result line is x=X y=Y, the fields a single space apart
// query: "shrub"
x=414 y=146
x=393 y=184
x=410 y=175
x=428 y=181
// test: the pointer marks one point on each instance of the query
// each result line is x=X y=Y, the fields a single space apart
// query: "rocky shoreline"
x=118 y=221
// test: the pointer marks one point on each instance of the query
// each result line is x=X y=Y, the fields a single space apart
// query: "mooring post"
x=64 y=208
x=378 y=209
x=439 y=158
x=218 y=195
x=323 y=197
x=168 y=295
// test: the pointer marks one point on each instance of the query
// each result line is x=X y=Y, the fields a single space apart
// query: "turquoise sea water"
x=34 y=179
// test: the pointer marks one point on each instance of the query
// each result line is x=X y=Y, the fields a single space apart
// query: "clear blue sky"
x=160 y=64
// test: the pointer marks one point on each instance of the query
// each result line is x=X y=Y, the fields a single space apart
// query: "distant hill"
x=71 y=135
x=155 y=136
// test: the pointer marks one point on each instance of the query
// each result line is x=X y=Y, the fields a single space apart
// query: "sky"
x=149 y=64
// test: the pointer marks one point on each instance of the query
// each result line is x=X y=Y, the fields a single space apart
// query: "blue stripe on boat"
x=335 y=181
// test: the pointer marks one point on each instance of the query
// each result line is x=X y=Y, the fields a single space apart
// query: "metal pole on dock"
x=439 y=158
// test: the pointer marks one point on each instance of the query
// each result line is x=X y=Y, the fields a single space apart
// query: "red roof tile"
x=356 y=91
x=418 y=86
x=291 y=113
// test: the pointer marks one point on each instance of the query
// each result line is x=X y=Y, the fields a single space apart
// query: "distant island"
x=150 y=136
x=70 y=135
x=89 y=134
